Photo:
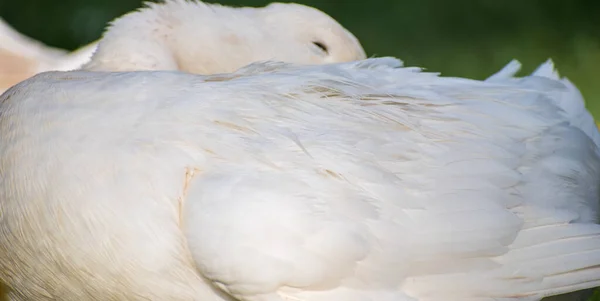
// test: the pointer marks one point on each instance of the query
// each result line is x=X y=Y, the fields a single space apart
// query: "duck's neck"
x=136 y=41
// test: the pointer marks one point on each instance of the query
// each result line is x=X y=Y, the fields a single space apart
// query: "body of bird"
x=359 y=181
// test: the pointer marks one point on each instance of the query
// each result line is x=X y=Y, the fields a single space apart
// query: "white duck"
x=210 y=38
x=22 y=57
x=190 y=36
x=360 y=181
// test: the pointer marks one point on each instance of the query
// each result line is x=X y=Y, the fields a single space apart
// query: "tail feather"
x=540 y=235
x=567 y=260
x=567 y=97
x=570 y=282
x=509 y=71
x=544 y=261
x=547 y=70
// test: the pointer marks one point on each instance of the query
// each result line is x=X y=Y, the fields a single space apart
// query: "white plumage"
x=203 y=38
x=361 y=181
x=189 y=36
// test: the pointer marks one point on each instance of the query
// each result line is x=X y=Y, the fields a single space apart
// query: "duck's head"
x=316 y=37
x=202 y=38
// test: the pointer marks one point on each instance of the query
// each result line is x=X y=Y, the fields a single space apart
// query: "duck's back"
x=358 y=181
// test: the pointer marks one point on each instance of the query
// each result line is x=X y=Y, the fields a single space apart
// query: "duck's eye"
x=321 y=46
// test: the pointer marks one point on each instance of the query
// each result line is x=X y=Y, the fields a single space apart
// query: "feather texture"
x=358 y=181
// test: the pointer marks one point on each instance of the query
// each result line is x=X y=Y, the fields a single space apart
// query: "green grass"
x=596 y=296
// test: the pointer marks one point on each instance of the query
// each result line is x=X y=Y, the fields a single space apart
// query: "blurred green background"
x=469 y=38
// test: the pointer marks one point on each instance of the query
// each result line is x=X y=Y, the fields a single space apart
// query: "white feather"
x=358 y=181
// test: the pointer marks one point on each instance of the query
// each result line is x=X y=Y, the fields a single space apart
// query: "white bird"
x=359 y=181
x=190 y=36
x=202 y=38
x=22 y=57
